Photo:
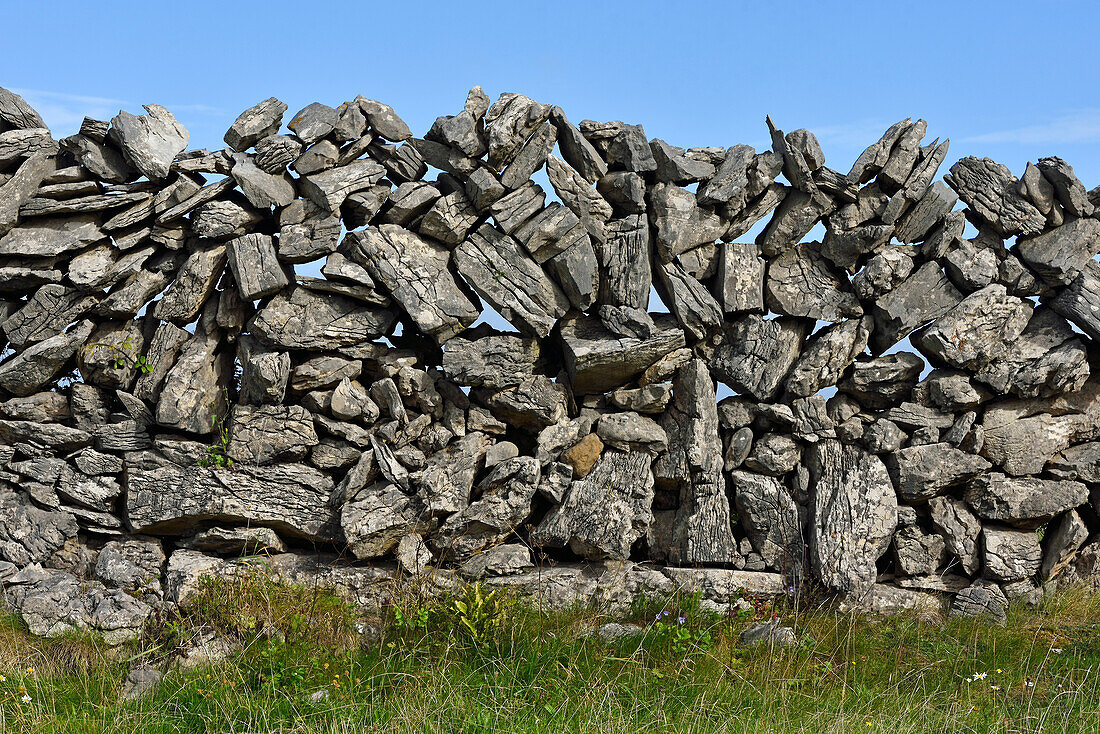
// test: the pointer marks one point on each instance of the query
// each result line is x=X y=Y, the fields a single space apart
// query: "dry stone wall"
x=173 y=392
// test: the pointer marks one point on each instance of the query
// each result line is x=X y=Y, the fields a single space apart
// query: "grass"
x=497 y=667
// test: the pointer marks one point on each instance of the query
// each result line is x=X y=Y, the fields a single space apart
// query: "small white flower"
x=978 y=676
x=25 y=698
x=1056 y=650
x=1030 y=684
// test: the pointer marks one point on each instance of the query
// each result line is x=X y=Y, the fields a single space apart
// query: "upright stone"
x=255 y=267
x=853 y=514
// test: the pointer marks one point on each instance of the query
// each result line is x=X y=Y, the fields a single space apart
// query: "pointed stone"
x=575 y=148
x=255 y=123
x=150 y=142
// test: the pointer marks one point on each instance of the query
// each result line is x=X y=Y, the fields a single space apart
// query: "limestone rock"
x=575 y=148
x=770 y=517
x=379 y=516
x=853 y=514
x=494 y=264
x=597 y=360
x=24 y=373
x=625 y=263
x=925 y=295
x=923 y=472
x=992 y=191
x=753 y=355
x=133 y=565
x=328 y=189
x=193 y=389
x=534 y=403
x=1062 y=544
x=827 y=356
x=693 y=305
x=740 y=283
x=496 y=361
x=55 y=603
x=505 y=502
x=448 y=476
x=984 y=600
x=1068 y=189
x=884 y=381
x=508 y=123
x=255 y=123
x=149 y=142
x=194 y=284
x=167 y=499
x=1060 y=254
x=1022 y=502
x=605 y=512
x=256 y=270
x=302 y=319
x=917 y=553
x=801 y=283
x=1010 y=555
x=266 y=434
x=415 y=272
x=1047 y=359
x=960 y=530
x=631 y=432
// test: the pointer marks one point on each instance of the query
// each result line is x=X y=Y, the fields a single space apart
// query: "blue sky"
x=1010 y=80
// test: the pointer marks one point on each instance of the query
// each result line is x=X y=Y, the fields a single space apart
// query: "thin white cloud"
x=63 y=112
x=1082 y=126
x=855 y=134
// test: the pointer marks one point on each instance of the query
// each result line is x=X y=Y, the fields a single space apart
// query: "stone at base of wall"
x=610 y=587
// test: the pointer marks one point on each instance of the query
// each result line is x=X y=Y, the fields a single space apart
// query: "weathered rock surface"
x=922 y=472
x=598 y=360
x=167 y=499
x=603 y=514
x=853 y=514
x=302 y=319
x=495 y=266
x=754 y=355
x=415 y=272
x=149 y=142
x=1023 y=502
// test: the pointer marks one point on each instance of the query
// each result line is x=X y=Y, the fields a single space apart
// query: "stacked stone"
x=172 y=391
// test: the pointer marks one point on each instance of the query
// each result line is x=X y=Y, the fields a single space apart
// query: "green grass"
x=517 y=671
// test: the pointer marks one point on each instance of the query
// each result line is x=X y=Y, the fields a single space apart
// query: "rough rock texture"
x=852 y=516
x=381 y=412
x=603 y=514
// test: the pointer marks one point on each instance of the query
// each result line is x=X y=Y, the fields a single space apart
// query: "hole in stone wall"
x=656 y=305
x=492 y=317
